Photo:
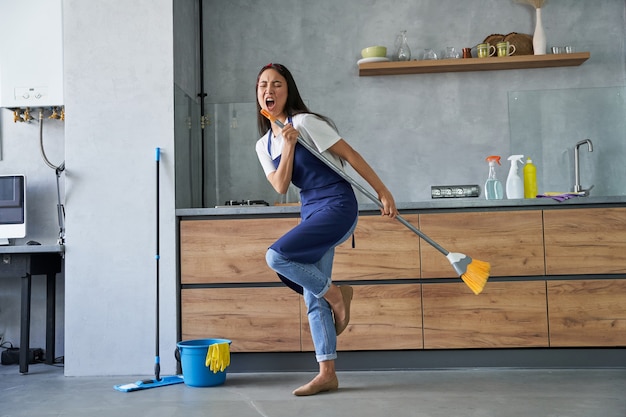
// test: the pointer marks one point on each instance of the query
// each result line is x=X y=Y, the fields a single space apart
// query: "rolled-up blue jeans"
x=315 y=279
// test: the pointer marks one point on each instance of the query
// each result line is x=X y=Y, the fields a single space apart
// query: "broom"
x=473 y=272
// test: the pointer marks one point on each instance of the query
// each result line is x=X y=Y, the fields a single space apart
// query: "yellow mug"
x=484 y=50
x=505 y=49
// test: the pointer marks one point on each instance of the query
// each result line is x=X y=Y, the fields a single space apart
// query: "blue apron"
x=329 y=209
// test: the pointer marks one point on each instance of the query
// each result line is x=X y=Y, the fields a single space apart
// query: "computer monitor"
x=12 y=207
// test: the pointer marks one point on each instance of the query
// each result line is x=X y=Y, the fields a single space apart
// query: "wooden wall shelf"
x=473 y=64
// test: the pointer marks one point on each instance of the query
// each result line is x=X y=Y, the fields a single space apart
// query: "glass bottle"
x=403 y=52
x=493 y=187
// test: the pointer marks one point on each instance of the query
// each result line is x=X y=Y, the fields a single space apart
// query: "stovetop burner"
x=231 y=203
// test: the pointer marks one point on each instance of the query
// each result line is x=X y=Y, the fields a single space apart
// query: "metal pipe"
x=202 y=96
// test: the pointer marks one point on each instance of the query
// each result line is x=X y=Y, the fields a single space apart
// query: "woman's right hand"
x=281 y=178
x=290 y=134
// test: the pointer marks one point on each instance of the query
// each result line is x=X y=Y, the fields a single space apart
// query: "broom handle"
x=359 y=187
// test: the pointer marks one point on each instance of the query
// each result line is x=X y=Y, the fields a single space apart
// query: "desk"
x=25 y=261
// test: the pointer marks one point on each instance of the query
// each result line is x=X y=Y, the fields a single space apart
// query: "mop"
x=474 y=273
x=158 y=381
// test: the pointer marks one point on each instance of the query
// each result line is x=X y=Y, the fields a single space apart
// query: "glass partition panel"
x=546 y=125
x=234 y=163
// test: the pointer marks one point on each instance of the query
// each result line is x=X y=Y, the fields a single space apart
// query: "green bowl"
x=374 y=52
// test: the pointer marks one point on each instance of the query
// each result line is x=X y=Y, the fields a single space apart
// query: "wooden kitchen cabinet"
x=511 y=241
x=228 y=291
x=229 y=251
x=383 y=317
x=585 y=241
x=232 y=251
x=383 y=249
x=504 y=315
x=587 y=313
x=255 y=319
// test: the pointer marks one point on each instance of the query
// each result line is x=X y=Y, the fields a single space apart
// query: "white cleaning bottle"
x=493 y=187
x=514 y=183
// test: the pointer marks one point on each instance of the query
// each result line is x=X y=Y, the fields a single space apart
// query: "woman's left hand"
x=389 y=205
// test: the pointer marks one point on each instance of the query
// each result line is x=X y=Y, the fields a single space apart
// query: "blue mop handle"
x=358 y=186
x=157 y=359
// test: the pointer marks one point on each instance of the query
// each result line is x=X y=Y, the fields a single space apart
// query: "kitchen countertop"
x=440 y=204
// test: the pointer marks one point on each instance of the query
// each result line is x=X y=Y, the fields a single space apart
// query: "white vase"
x=539 y=37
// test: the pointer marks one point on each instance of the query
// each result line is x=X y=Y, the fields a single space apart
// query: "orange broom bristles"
x=476 y=275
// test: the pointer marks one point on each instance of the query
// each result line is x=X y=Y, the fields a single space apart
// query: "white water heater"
x=31 y=53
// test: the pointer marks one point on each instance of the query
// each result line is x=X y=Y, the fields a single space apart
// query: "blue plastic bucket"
x=193 y=361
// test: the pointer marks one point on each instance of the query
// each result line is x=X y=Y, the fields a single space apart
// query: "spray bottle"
x=493 y=187
x=514 y=183
x=530 y=179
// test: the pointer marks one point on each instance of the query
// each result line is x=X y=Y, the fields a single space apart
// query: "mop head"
x=218 y=357
x=150 y=383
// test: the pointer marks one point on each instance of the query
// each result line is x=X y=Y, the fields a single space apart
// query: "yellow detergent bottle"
x=530 y=179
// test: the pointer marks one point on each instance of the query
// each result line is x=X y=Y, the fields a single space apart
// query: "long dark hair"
x=294 y=105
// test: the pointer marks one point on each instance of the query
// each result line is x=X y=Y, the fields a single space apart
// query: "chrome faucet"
x=577 y=187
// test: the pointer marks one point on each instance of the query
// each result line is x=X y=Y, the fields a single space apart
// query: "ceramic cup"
x=485 y=50
x=505 y=49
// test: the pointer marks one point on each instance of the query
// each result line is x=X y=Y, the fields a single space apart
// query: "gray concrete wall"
x=119 y=100
x=418 y=130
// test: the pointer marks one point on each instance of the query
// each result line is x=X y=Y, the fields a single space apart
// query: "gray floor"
x=45 y=391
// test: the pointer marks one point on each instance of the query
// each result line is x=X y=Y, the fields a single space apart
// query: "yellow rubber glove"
x=224 y=350
x=218 y=357
x=209 y=356
x=215 y=363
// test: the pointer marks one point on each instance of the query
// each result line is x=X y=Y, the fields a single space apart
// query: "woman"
x=303 y=257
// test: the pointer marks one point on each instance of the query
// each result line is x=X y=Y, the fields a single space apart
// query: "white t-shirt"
x=313 y=130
